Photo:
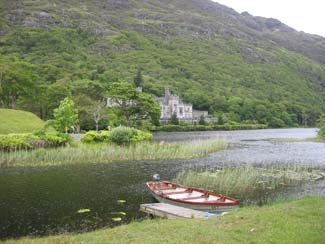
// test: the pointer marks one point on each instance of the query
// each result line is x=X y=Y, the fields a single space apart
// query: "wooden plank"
x=165 y=210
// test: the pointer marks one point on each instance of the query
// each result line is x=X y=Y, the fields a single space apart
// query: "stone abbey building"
x=171 y=104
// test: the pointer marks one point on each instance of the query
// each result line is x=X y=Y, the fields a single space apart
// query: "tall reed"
x=105 y=153
x=247 y=183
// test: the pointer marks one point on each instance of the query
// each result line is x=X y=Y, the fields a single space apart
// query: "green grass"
x=106 y=153
x=17 y=121
x=251 y=185
x=301 y=221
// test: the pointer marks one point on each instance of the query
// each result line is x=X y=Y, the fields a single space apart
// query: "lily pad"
x=85 y=210
x=117 y=219
x=122 y=213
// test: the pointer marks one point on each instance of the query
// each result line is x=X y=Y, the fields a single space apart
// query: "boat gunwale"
x=234 y=202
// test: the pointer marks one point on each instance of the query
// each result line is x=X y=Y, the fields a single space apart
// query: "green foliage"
x=123 y=135
x=55 y=140
x=118 y=135
x=138 y=79
x=44 y=60
x=322 y=126
x=202 y=120
x=15 y=142
x=10 y=143
x=17 y=79
x=174 y=119
x=66 y=115
x=221 y=120
x=131 y=105
x=95 y=137
x=141 y=136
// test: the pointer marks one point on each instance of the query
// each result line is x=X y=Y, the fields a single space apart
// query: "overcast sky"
x=302 y=15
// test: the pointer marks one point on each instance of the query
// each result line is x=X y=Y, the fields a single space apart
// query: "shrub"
x=10 y=143
x=56 y=140
x=13 y=142
x=119 y=136
x=322 y=132
x=123 y=135
x=96 y=137
x=142 y=136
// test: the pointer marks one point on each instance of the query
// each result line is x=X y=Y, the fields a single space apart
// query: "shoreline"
x=302 y=219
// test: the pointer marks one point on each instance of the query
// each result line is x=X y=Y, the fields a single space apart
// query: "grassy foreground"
x=106 y=153
x=301 y=221
x=17 y=121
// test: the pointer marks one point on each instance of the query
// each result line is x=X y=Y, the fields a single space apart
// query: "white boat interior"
x=185 y=194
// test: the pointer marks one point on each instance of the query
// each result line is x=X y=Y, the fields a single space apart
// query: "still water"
x=46 y=200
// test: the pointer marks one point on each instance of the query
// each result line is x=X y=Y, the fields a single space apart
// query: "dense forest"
x=239 y=67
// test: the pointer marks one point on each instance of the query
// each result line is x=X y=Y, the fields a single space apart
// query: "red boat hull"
x=190 y=197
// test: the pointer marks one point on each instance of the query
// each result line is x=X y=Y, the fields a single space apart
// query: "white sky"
x=302 y=15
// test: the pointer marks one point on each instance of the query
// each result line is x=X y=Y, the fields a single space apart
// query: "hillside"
x=249 y=68
x=16 y=121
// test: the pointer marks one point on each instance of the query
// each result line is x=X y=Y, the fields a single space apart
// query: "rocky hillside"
x=208 y=53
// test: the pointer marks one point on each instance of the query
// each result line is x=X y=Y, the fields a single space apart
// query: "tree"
x=132 y=105
x=138 y=79
x=55 y=92
x=202 y=121
x=147 y=108
x=221 y=120
x=97 y=110
x=174 y=119
x=321 y=123
x=66 y=115
x=16 y=80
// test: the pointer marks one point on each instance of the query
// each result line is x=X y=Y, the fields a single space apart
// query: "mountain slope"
x=209 y=54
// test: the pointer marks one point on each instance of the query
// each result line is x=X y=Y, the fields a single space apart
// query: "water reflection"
x=42 y=201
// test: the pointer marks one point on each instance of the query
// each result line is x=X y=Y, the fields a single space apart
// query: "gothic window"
x=181 y=111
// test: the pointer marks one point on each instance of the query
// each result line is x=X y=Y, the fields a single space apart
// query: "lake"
x=46 y=200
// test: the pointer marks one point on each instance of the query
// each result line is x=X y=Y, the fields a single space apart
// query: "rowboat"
x=190 y=197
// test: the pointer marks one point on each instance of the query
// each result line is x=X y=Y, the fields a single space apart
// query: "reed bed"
x=251 y=185
x=105 y=153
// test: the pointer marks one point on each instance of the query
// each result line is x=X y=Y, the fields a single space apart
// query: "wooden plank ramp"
x=169 y=211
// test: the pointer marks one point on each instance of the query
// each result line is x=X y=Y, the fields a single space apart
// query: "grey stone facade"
x=171 y=104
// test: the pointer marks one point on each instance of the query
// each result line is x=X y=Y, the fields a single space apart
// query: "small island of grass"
x=109 y=152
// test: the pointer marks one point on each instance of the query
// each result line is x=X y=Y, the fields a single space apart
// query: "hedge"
x=28 y=141
x=119 y=135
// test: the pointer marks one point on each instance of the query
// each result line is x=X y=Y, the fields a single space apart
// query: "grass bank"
x=301 y=221
x=105 y=153
x=249 y=184
x=17 y=121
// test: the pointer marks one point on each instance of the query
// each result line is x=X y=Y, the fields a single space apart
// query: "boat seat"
x=178 y=192
x=192 y=198
x=165 y=188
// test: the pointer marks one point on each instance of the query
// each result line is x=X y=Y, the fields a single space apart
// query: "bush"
x=13 y=142
x=119 y=136
x=142 y=136
x=322 y=132
x=96 y=137
x=10 y=143
x=56 y=140
x=123 y=135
